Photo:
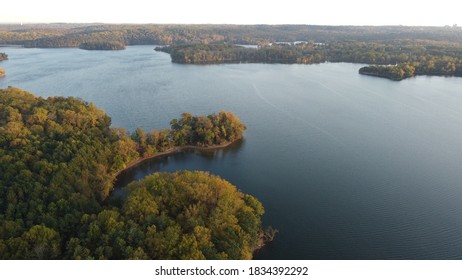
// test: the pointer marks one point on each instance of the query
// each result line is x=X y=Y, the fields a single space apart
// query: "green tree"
x=140 y=205
x=42 y=243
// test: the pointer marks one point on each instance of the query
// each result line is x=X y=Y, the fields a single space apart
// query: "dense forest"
x=58 y=160
x=225 y=53
x=106 y=46
x=193 y=215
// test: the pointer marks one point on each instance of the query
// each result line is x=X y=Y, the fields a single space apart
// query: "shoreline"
x=172 y=151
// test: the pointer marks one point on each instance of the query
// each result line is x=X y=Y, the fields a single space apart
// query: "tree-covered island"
x=58 y=160
x=431 y=65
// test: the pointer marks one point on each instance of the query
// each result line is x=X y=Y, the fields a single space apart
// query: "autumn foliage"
x=58 y=160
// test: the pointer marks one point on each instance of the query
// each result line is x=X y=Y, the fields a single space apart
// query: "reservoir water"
x=347 y=166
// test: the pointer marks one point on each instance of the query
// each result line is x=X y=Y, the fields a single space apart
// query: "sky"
x=323 y=12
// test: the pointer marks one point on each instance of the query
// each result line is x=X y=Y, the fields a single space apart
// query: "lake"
x=347 y=166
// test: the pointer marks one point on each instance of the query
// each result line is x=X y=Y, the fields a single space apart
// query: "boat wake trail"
x=323 y=131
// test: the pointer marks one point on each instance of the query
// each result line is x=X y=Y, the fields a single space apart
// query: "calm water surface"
x=347 y=166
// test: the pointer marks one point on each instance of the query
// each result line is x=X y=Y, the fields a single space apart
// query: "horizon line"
x=246 y=24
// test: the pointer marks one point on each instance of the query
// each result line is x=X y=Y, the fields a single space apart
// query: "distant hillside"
x=72 y=35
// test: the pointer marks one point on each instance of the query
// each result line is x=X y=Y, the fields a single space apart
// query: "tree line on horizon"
x=72 y=35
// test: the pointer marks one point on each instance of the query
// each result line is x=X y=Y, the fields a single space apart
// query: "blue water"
x=347 y=166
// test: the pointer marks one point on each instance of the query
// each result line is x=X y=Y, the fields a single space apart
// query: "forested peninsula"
x=392 y=72
x=58 y=160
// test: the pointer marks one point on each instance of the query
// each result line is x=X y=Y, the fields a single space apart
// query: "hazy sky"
x=323 y=12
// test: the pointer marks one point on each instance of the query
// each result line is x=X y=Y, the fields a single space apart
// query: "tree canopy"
x=193 y=215
x=58 y=160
